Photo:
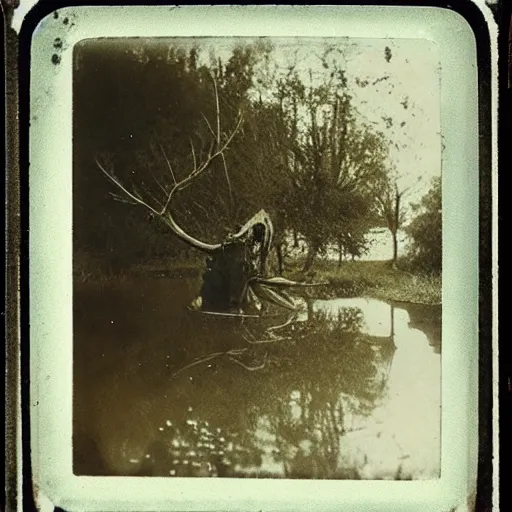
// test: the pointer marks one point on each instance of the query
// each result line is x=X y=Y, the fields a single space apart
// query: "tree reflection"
x=331 y=372
x=275 y=401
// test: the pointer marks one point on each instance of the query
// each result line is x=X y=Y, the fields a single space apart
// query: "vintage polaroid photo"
x=184 y=245
x=254 y=258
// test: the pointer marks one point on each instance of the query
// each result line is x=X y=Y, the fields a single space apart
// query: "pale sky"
x=413 y=72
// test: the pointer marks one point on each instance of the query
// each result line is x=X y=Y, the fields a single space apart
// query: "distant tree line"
x=302 y=153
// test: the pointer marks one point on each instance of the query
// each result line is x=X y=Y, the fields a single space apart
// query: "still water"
x=349 y=388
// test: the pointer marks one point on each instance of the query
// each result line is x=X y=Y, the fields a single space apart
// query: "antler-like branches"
x=162 y=209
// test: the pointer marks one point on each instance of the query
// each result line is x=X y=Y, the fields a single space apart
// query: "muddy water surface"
x=349 y=388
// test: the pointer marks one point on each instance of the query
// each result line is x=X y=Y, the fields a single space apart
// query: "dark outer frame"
x=12 y=242
x=504 y=17
x=17 y=95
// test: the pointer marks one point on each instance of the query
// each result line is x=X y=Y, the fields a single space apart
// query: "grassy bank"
x=376 y=279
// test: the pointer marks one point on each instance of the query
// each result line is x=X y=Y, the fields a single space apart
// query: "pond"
x=350 y=388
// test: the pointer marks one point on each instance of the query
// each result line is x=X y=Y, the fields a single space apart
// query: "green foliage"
x=426 y=230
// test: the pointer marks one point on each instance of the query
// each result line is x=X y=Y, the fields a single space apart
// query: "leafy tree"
x=322 y=157
x=390 y=207
x=334 y=158
x=426 y=230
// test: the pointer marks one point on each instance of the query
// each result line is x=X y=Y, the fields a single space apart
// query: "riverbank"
x=377 y=279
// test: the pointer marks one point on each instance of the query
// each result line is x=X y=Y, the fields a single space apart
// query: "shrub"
x=426 y=231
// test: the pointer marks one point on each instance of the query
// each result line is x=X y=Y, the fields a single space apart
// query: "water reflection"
x=345 y=389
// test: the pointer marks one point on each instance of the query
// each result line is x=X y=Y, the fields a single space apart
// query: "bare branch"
x=168 y=164
x=271 y=340
x=193 y=154
x=122 y=199
x=208 y=124
x=217 y=149
x=217 y=110
x=151 y=196
x=132 y=196
x=160 y=185
x=202 y=208
x=228 y=181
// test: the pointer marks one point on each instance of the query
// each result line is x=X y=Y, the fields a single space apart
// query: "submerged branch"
x=195 y=363
x=250 y=368
x=205 y=359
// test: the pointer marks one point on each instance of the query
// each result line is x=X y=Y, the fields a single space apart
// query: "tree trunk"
x=396 y=226
x=280 y=259
x=392 y=313
x=230 y=269
x=310 y=258
x=340 y=254
x=394 y=234
x=295 y=239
